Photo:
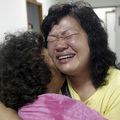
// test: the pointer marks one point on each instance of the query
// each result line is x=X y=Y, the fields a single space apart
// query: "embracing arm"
x=8 y=113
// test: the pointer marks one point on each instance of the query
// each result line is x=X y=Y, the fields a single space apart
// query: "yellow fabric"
x=106 y=99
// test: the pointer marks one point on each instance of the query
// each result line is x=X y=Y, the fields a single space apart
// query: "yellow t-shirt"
x=106 y=99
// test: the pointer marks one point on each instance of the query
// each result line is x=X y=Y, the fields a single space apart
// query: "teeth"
x=64 y=57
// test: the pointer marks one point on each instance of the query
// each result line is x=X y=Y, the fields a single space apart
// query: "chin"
x=66 y=71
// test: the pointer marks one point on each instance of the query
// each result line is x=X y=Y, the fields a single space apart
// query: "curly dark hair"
x=101 y=57
x=23 y=73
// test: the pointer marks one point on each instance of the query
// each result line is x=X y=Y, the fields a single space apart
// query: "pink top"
x=58 y=107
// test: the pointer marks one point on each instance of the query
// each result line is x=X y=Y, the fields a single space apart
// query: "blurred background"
x=21 y=15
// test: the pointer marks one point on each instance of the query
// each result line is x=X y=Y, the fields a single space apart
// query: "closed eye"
x=70 y=36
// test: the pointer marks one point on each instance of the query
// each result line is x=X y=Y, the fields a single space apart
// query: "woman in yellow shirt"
x=78 y=45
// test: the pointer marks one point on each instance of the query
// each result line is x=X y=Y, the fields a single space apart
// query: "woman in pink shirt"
x=29 y=81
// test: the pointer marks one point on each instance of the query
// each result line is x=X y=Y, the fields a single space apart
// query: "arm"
x=8 y=113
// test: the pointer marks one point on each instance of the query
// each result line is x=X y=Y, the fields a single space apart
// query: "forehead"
x=67 y=22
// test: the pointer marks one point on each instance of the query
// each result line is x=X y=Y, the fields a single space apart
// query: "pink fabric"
x=58 y=107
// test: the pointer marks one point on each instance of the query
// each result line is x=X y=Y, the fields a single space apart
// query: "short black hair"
x=31 y=25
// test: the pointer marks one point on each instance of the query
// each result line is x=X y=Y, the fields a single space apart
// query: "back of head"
x=23 y=72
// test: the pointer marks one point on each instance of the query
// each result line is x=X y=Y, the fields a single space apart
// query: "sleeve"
x=113 y=108
x=58 y=107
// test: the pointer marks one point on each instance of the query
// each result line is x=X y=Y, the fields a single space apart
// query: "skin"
x=58 y=79
x=8 y=113
x=78 y=67
x=53 y=87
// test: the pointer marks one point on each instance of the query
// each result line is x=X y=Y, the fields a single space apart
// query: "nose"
x=61 y=45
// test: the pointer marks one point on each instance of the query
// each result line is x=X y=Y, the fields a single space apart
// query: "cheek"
x=50 y=50
x=79 y=45
x=74 y=44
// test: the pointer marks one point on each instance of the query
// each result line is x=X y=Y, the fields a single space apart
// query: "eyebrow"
x=67 y=30
x=62 y=33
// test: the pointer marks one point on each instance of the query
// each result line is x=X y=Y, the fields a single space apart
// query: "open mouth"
x=65 y=57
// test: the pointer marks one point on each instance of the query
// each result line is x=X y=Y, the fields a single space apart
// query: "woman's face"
x=68 y=47
x=58 y=79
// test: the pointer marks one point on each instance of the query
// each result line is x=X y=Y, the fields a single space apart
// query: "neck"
x=82 y=85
